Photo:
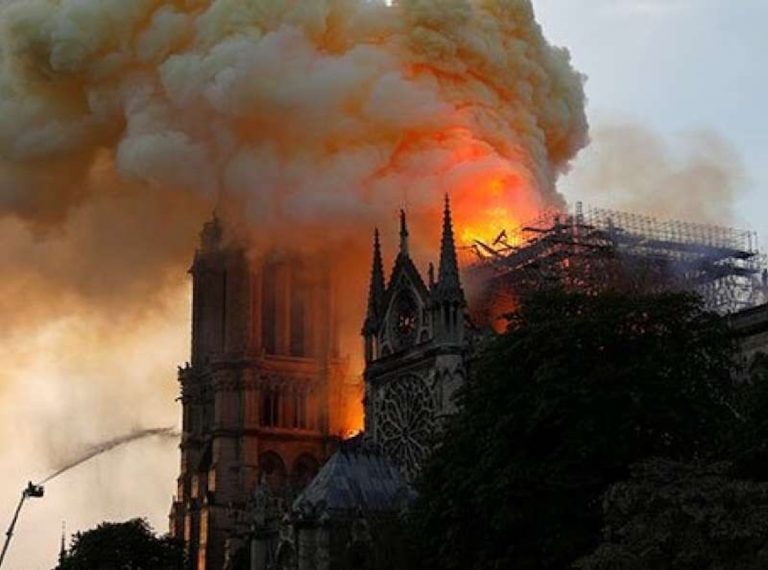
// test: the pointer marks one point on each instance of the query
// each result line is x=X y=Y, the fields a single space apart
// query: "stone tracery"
x=406 y=421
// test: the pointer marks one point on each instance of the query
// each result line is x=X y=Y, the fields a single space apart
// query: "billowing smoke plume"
x=303 y=111
x=696 y=176
x=123 y=124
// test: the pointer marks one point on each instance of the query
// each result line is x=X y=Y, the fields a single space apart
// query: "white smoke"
x=696 y=175
x=301 y=110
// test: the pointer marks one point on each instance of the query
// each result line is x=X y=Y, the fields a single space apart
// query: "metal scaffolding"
x=598 y=249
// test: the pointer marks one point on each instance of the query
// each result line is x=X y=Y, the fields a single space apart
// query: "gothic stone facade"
x=416 y=338
x=415 y=350
x=258 y=395
x=265 y=385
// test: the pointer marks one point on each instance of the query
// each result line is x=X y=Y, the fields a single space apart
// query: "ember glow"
x=496 y=205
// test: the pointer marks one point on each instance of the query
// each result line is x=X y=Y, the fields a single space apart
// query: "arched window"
x=269 y=308
x=272 y=469
x=270 y=407
x=299 y=396
x=304 y=470
x=300 y=295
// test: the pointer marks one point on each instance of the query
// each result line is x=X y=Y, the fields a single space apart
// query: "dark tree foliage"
x=673 y=516
x=749 y=446
x=130 y=545
x=557 y=410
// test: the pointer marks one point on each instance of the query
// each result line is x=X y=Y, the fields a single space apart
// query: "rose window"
x=406 y=422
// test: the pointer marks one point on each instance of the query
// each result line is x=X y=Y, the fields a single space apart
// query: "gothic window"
x=223 y=333
x=270 y=407
x=274 y=403
x=294 y=395
x=301 y=329
x=303 y=411
x=298 y=310
x=299 y=409
x=406 y=422
x=266 y=408
x=304 y=470
x=272 y=469
x=197 y=317
x=209 y=318
x=269 y=308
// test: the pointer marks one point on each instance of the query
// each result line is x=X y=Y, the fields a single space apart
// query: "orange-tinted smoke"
x=312 y=114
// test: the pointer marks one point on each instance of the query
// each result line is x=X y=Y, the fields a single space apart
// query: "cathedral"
x=415 y=344
x=267 y=480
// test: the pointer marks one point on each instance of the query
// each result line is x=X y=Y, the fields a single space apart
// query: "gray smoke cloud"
x=696 y=176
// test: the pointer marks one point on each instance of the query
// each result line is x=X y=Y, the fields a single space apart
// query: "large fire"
x=493 y=208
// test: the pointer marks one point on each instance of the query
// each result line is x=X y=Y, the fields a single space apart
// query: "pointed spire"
x=403 y=234
x=63 y=547
x=448 y=281
x=377 y=286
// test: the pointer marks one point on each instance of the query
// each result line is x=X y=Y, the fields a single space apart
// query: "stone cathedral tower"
x=257 y=396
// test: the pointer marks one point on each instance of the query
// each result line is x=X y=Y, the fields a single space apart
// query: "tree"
x=558 y=409
x=674 y=516
x=748 y=448
x=130 y=545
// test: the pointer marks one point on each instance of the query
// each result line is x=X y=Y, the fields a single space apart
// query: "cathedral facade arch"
x=272 y=470
x=304 y=469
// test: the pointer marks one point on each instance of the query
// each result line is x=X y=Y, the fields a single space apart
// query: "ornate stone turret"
x=376 y=289
x=448 y=283
x=448 y=300
x=63 y=545
x=415 y=354
x=376 y=293
x=403 y=234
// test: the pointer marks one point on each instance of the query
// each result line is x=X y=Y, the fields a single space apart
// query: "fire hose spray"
x=37 y=491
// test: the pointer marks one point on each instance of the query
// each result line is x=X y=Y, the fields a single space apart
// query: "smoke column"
x=304 y=112
x=111 y=444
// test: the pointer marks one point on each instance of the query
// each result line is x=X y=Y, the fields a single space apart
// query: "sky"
x=673 y=67
x=677 y=76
